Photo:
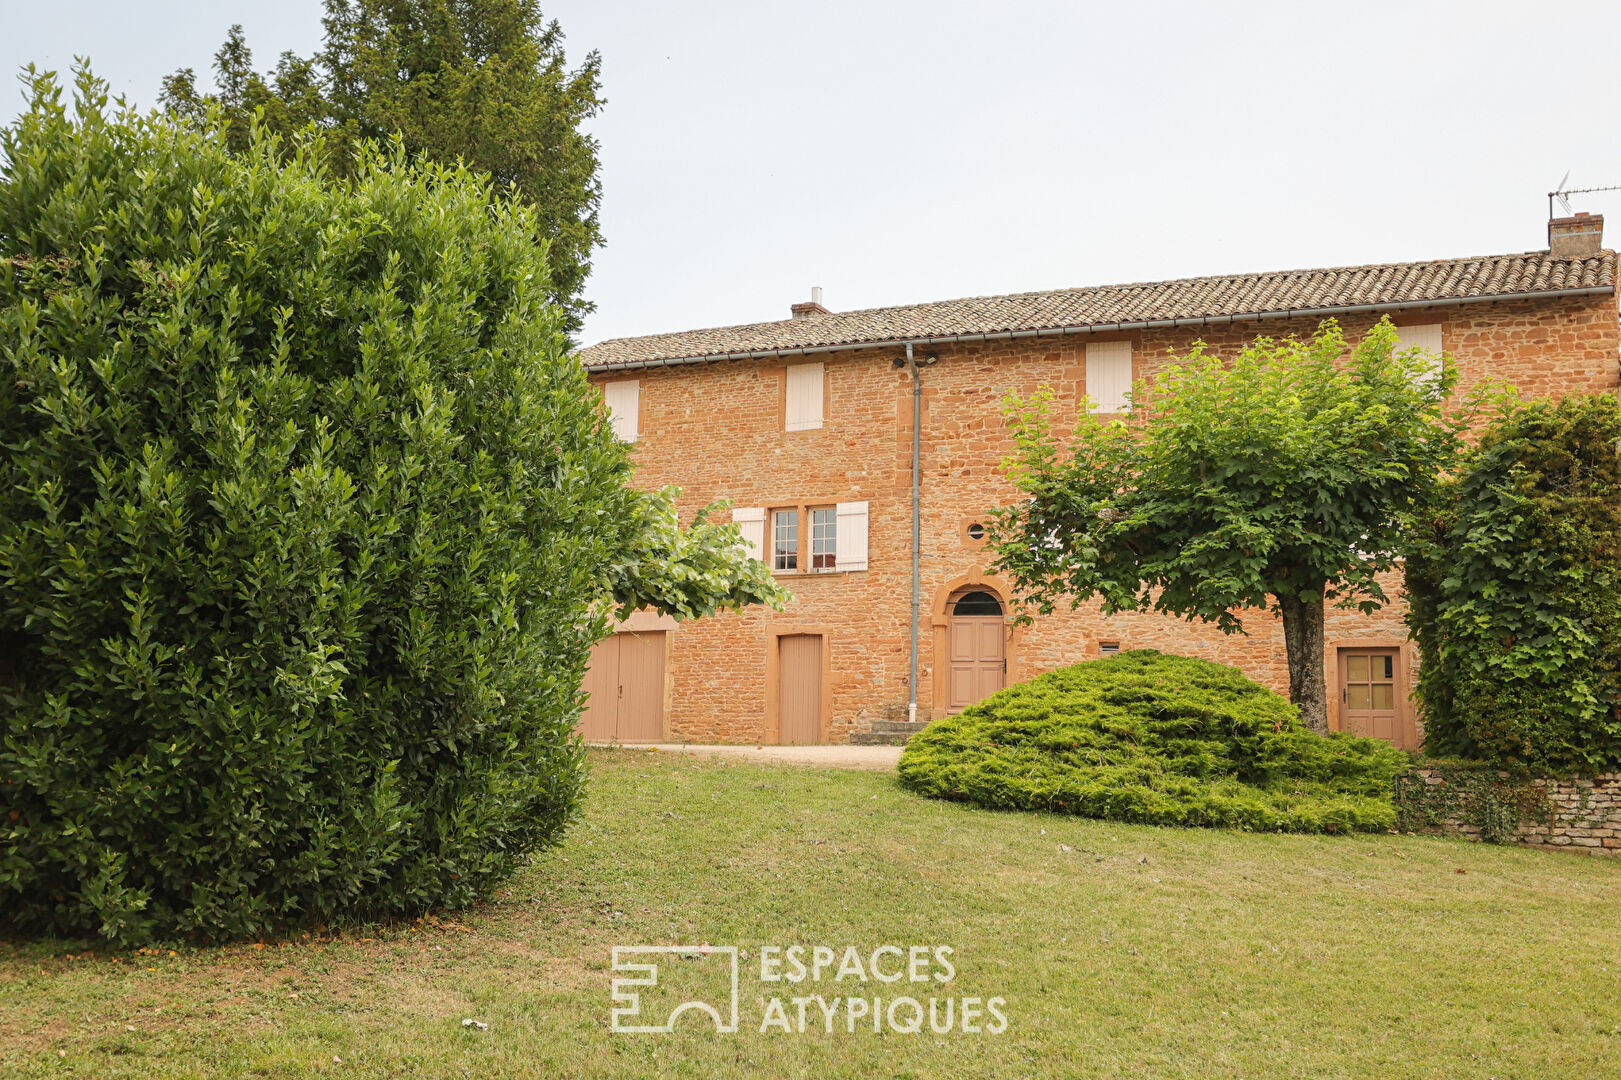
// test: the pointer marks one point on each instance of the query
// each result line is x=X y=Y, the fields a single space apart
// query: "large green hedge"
x=1515 y=590
x=308 y=520
x=1163 y=740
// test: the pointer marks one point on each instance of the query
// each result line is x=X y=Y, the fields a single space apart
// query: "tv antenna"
x=1562 y=193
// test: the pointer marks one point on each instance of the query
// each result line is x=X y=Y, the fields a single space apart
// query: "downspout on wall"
x=917 y=526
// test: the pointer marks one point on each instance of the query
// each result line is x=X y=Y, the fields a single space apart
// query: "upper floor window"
x=802 y=397
x=806 y=539
x=785 y=540
x=787 y=553
x=624 y=407
x=1426 y=339
x=1108 y=376
x=824 y=538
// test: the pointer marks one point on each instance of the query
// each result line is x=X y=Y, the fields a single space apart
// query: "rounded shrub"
x=1515 y=588
x=1161 y=740
x=305 y=510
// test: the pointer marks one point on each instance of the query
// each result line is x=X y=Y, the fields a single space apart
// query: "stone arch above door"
x=973 y=600
x=975 y=580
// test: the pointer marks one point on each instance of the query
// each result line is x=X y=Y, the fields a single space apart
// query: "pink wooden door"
x=799 y=709
x=598 y=722
x=978 y=654
x=641 y=687
x=625 y=689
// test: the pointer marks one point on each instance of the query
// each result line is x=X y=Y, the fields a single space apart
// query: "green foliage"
x=1515 y=587
x=1472 y=793
x=685 y=572
x=1284 y=473
x=1280 y=480
x=483 y=82
x=1161 y=740
x=288 y=100
x=308 y=521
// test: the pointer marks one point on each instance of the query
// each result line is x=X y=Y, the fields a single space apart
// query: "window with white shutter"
x=852 y=536
x=1108 y=376
x=751 y=522
x=806 y=539
x=624 y=405
x=804 y=397
x=1427 y=339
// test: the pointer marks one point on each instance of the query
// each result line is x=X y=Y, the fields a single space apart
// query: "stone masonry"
x=1584 y=814
x=715 y=430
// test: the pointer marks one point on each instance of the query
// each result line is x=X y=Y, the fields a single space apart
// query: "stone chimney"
x=1575 y=237
x=805 y=311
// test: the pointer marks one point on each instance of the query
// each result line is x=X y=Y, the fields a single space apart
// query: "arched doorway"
x=976 y=646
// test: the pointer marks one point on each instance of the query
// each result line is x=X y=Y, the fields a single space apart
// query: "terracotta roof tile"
x=1189 y=300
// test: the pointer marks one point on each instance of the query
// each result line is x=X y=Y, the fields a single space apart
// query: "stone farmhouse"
x=860 y=452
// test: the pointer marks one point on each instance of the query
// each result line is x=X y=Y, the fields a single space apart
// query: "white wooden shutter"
x=851 y=518
x=624 y=400
x=1427 y=339
x=1108 y=376
x=751 y=521
x=804 y=397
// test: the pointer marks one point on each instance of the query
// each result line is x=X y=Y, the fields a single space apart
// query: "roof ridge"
x=1121 y=286
x=1184 y=301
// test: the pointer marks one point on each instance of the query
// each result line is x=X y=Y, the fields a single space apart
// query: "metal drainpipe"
x=917 y=529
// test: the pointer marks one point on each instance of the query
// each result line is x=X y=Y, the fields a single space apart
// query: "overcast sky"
x=902 y=152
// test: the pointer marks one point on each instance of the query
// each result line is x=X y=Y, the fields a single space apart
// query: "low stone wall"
x=1579 y=813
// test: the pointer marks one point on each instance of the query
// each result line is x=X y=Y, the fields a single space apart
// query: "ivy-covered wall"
x=1515 y=587
x=1487 y=804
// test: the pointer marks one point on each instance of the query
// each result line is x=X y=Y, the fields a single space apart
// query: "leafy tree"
x=1277 y=482
x=1515 y=584
x=290 y=99
x=308 y=522
x=485 y=82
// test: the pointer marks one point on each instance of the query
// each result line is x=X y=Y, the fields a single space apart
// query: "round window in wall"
x=976 y=531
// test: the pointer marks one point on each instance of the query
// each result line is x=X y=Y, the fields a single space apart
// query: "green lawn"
x=1121 y=952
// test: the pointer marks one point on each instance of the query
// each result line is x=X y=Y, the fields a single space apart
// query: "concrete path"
x=828 y=757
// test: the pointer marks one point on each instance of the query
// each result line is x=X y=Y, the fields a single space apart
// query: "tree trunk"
x=1303 y=639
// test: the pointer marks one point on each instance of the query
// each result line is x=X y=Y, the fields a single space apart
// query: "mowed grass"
x=1121 y=952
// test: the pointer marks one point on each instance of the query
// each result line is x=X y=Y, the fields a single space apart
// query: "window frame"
x=804 y=537
x=774 y=514
x=830 y=537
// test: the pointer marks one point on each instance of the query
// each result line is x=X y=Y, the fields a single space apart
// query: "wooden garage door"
x=625 y=688
x=799 y=708
x=600 y=721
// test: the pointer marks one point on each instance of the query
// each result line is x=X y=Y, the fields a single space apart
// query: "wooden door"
x=641 y=687
x=599 y=721
x=978 y=658
x=625 y=688
x=1371 y=694
x=799 y=707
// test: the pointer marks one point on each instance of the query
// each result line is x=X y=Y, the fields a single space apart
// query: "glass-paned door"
x=1371 y=694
